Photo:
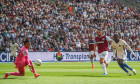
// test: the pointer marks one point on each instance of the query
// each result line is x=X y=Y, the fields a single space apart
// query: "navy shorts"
x=120 y=61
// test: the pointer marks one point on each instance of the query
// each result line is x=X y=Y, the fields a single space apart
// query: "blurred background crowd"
x=66 y=24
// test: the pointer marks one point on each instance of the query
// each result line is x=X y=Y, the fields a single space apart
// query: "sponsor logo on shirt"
x=100 y=42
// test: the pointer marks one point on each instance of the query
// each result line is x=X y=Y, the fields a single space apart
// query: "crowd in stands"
x=53 y=27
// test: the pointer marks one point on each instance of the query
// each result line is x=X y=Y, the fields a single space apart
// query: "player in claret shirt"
x=22 y=61
x=92 y=49
x=102 y=44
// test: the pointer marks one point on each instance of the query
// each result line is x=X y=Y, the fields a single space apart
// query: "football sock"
x=122 y=66
x=16 y=74
x=104 y=67
x=92 y=61
x=108 y=61
x=14 y=60
x=127 y=66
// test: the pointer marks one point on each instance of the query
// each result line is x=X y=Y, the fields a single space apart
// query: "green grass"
x=71 y=73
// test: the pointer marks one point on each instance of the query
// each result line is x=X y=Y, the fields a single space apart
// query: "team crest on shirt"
x=103 y=38
x=119 y=45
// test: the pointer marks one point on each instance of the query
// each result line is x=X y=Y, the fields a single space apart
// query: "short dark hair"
x=116 y=35
x=99 y=29
x=26 y=41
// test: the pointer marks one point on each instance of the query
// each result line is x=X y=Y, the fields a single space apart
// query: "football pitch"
x=71 y=73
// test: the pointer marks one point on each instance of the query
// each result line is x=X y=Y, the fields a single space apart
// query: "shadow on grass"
x=7 y=78
x=91 y=76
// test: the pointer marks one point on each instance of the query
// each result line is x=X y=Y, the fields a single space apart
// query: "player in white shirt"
x=119 y=47
x=13 y=47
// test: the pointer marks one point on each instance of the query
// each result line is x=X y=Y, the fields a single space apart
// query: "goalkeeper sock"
x=104 y=67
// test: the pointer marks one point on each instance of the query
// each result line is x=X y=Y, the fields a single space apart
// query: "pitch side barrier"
x=67 y=56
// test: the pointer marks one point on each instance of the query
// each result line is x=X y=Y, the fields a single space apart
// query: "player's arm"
x=17 y=46
x=108 y=39
x=129 y=48
x=25 y=53
x=114 y=51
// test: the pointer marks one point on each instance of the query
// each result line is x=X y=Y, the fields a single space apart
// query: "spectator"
x=70 y=8
x=138 y=46
x=50 y=27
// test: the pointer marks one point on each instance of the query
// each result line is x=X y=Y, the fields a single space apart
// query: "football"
x=38 y=62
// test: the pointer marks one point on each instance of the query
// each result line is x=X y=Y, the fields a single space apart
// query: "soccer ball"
x=38 y=62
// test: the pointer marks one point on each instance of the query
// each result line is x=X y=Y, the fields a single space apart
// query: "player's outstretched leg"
x=14 y=60
x=134 y=71
x=15 y=74
x=105 y=63
x=103 y=66
x=108 y=62
x=92 y=61
x=20 y=73
x=127 y=66
x=123 y=67
x=11 y=58
x=120 y=62
x=33 y=70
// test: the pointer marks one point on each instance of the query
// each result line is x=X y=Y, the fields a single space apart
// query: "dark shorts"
x=120 y=61
x=59 y=59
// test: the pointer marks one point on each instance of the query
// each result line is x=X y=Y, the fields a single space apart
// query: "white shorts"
x=103 y=55
x=91 y=53
x=13 y=54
